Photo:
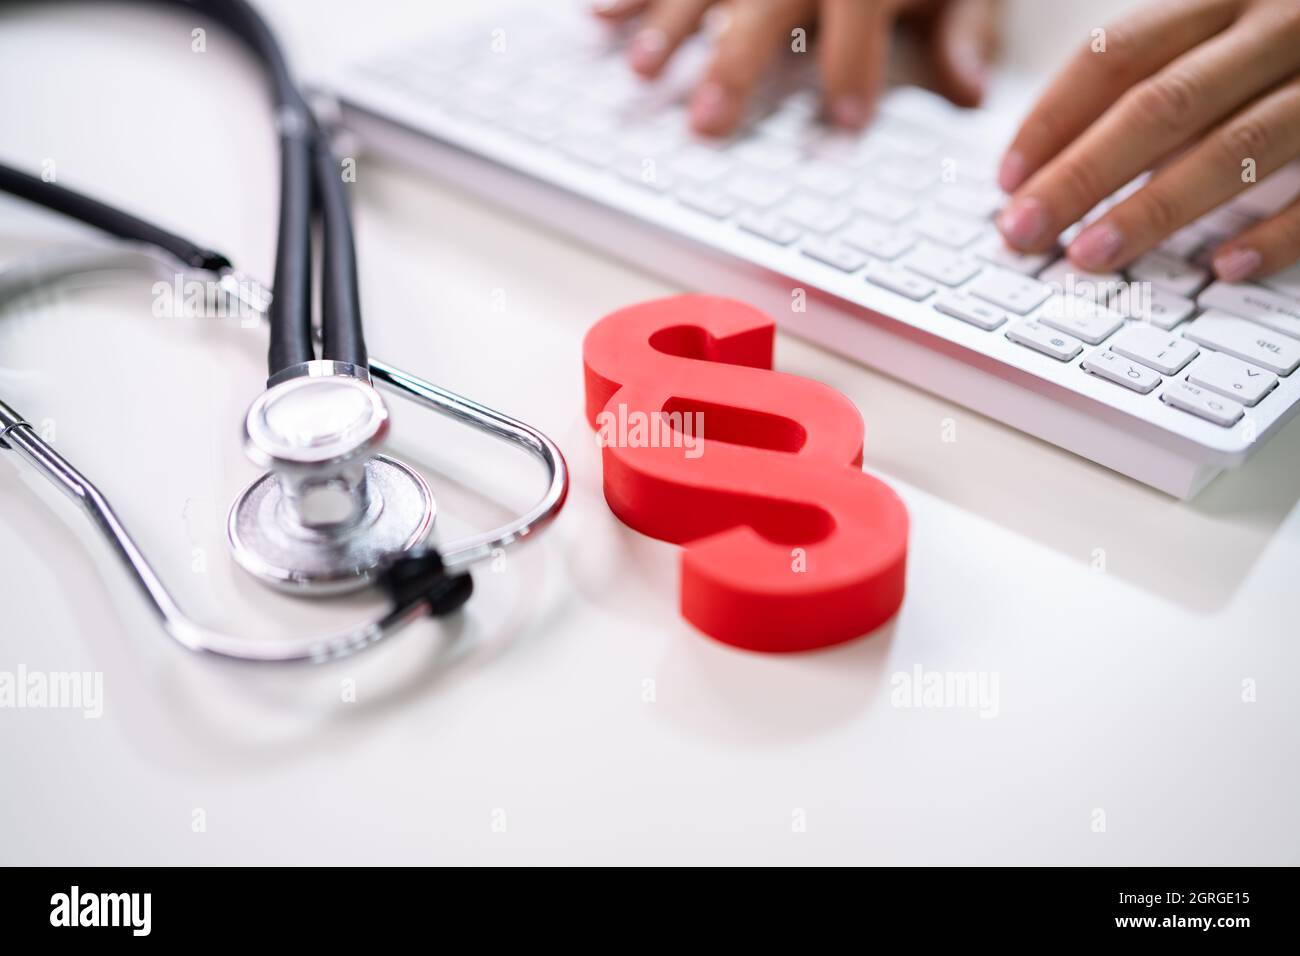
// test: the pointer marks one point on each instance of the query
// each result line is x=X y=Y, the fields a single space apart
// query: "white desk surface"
x=1119 y=690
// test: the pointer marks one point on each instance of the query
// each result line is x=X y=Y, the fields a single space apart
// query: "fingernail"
x=710 y=108
x=647 y=50
x=850 y=112
x=1096 y=247
x=1023 y=222
x=1012 y=172
x=969 y=64
x=1235 y=265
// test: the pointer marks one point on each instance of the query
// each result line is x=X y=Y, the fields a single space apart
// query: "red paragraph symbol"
x=789 y=545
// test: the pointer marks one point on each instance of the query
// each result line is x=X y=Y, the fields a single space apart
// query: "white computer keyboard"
x=886 y=239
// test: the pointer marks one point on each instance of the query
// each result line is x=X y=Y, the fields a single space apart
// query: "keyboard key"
x=1273 y=193
x=1264 y=306
x=834 y=253
x=1039 y=337
x=1152 y=304
x=1245 y=340
x=539 y=129
x=814 y=214
x=994 y=250
x=771 y=227
x=875 y=239
x=1156 y=349
x=898 y=280
x=1010 y=291
x=1071 y=280
x=1205 y=404
x=707 y=199
x=1169 y=273
x=588 y=149
x=768 y=154
x=882 y=204
x=644 y=172
x=1286 y=282
x=1185 y=244
x=942 y=265
x=757 y=189
x=1115 y=368
x=970 y=201
x=947 y=230
x=970 y=310
x=825 y=178
x=904 y=174
x=700 y=165
x=901 y=136
x=1232 y=377
x=1079 y=316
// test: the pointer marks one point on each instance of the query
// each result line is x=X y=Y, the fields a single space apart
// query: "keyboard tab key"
x=1010 y=290
x=898 y=280
x=1264 y=306
x=970 y=310
x=1079 y=316
x=1115 y=368
x=1232 y=378
x=1247 y=341
x=1043 y=339
x=1167 y=354
x=1202 y=403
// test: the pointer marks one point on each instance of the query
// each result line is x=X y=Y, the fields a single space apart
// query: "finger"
x=751 y=39
x=1265 y=134
x=1109 y=63
x=1148 y=123
x=965 y=36
x=618 y=9
x=1261 y=250
x=853 y=51
x=666 y=24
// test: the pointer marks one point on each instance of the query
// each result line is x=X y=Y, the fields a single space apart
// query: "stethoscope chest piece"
x=330 y=513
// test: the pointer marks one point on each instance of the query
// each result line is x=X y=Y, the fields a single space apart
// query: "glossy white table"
x=572 y=716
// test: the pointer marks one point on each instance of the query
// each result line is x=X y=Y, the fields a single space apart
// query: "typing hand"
x=1205 y=92
x=852 y=51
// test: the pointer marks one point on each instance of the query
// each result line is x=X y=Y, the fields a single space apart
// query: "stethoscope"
x=331 y=514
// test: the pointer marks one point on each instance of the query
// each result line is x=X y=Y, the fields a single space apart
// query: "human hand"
x=852 y=49
x=1203 y=92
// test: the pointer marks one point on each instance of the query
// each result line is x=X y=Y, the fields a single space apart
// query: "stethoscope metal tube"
x=17 y=434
